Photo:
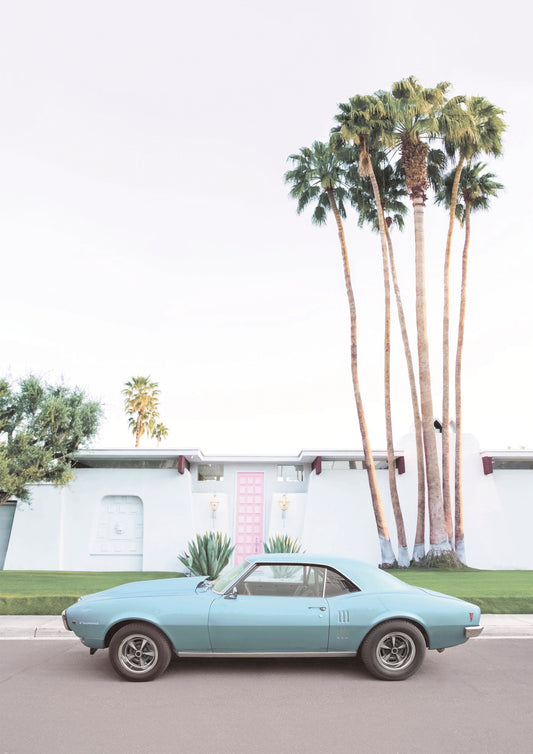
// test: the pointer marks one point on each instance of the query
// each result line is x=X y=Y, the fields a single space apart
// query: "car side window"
x=337 y=584
x=279 y=580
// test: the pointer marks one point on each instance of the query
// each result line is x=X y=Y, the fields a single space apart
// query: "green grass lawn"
x=494 y=591
x=49 y=592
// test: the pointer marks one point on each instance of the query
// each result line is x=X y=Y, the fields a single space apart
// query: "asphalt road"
x=55 y=698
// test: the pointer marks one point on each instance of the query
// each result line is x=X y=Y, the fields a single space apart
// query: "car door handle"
x=317 y=607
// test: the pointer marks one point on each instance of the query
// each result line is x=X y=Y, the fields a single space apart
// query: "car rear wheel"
x=139 y=652
x=394 y=650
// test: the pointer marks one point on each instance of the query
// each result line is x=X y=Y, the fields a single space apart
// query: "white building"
x=137 y=509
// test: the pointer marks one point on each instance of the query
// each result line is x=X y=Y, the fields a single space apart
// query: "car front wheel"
x=394 y=650
x=139 y=652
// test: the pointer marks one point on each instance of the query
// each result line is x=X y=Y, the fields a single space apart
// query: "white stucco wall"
x=339 y=517
x=56 y=530
x=37 y=533
x=292 y=524
x=203 y=519
x=506 y=512
x=328 y=513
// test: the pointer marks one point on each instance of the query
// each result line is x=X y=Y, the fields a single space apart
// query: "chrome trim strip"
x=472 y=631
x=266 y=654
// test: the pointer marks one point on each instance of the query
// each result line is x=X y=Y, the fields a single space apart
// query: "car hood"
x=154 y=588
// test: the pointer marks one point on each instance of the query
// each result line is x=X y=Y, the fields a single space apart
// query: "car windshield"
x=221 y=584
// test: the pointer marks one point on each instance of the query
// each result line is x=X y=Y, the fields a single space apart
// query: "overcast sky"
x=145 y=228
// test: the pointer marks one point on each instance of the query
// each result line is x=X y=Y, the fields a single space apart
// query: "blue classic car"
x=273 y=606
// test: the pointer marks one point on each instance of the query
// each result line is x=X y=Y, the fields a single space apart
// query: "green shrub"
x=209 y=555
x=282 y=543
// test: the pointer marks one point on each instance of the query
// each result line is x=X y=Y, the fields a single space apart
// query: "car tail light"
x=471 y=616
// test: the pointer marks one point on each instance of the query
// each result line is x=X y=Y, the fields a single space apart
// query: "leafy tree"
x=141 y=405
x=476 y=187
x=318 y=178
x=41 y=426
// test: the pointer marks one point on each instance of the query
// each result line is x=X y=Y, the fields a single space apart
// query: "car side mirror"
x=232 y=595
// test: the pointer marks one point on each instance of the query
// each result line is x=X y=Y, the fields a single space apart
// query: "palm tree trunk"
x=387 y=554
x=419 y=549
x=459 y=526
x=403 y=553
x=446 y=498
x=139 y=429
x=438 y=537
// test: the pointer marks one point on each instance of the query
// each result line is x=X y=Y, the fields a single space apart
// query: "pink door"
x=249 y=503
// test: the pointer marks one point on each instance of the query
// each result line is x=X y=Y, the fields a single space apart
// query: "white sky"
x=145 y=228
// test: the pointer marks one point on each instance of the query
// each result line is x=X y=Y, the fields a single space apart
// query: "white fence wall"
x=330 y=513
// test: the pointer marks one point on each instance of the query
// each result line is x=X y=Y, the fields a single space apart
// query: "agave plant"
x=282 y=543
x=208 y=555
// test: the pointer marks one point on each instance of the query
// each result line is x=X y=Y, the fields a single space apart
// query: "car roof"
x=363 y=574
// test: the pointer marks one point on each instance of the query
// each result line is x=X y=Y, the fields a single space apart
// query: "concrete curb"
x=33 y=627
x=51 y=627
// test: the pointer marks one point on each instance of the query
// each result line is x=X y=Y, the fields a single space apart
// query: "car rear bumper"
x=473 y=631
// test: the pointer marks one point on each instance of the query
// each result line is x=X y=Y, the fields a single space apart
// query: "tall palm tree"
x=391 y=182
x=414 y=119
x=318 y=178
x=362 y=194
x=470 y=127
x=476 y=187
x=141 y=405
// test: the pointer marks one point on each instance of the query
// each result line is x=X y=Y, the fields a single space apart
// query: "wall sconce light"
x=213 y=504
x=284 y=503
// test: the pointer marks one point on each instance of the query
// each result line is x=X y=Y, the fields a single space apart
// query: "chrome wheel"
x=395 y=651
x=138 y=654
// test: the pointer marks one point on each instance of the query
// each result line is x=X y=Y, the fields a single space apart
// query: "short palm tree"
x=476 y=187
x=318 y=178
x=160 y=432
x=470 y=127
x=141 y=405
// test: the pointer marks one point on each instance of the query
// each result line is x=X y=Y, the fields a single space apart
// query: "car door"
x=276 y=608
x=351 y=612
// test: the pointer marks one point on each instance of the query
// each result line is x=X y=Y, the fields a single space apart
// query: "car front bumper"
x=473 y=631
x=65 y=621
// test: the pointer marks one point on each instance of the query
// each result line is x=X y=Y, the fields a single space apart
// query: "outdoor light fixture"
x=213 y=504
x=284 y=503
